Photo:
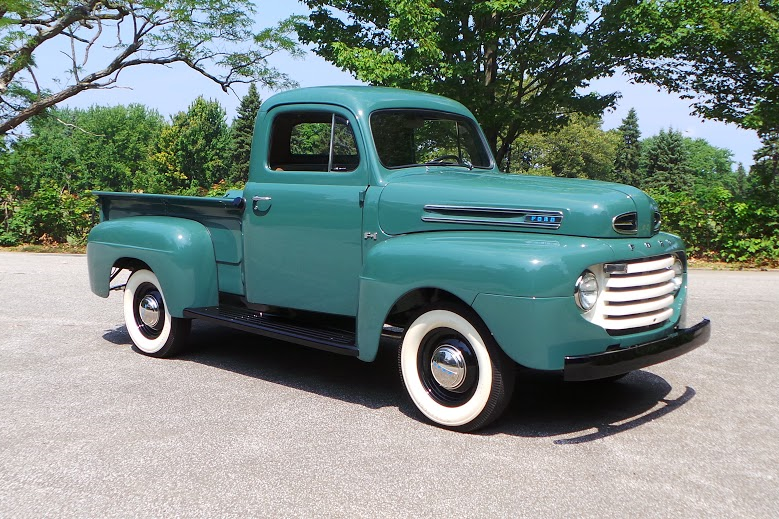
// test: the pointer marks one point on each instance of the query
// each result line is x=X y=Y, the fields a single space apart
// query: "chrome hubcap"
x=448 y=367
x=149 y=311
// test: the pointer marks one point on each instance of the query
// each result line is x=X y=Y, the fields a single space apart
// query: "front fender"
x=467 y=264
x=179 y=251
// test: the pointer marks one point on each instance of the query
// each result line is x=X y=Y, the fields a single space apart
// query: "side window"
x=312 y=141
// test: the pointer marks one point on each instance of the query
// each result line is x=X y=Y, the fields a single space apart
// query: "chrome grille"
x=636 y=294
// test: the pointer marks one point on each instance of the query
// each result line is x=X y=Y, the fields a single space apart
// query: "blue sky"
x=170 y=90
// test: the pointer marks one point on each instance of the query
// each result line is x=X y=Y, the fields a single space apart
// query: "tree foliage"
x=46 y=177
x=580 y=149
x=764 y=174
x=666 y=165
x=628 y=154
x=192 y=154
x=80 y=150
x=723 y=55
x=520 y=65
x=242 y=132
x=101 y=39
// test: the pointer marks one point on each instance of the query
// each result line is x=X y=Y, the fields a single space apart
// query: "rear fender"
x=179 y=251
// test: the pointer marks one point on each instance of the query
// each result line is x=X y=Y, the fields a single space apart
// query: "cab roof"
x=365 y=99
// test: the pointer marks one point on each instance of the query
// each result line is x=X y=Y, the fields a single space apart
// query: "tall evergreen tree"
x=764 y=173
x=741 y=180
x=667 y=163
x=241 y=132
x=628 y=157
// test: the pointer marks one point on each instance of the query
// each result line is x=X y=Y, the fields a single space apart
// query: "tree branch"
x=79 y=128
x=92 y=41
x=34 y=80
x=199 y=39
x=24 y=53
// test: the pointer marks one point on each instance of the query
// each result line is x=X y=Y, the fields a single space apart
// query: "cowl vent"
x=626 y=223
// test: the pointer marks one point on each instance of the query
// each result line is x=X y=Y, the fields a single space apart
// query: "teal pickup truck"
x=374 y=211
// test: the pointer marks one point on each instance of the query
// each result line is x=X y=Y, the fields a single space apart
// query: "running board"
x=275 y=327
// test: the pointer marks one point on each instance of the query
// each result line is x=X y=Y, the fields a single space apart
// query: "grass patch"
x=696 y=263
x=58 y=248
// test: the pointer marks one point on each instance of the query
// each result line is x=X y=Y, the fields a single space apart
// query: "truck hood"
x=440 y=198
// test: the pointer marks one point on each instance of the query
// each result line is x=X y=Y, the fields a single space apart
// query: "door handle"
x=261 y=204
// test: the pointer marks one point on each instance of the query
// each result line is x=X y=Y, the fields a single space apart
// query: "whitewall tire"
x=149 y=323
x=453 y=370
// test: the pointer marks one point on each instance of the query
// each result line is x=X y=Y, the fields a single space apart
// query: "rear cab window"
x=313 y=141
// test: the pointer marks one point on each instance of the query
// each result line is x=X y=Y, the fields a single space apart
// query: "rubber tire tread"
x=503 y=369
x=178 y=336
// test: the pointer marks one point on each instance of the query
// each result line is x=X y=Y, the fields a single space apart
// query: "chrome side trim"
x=482 y=209
x=533 y=218
x=431 y=219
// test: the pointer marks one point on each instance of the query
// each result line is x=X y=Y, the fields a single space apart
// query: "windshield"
x=406 y=138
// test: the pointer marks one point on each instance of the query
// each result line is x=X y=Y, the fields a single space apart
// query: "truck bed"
x=221 y=215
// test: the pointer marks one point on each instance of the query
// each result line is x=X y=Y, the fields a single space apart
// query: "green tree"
x=764 y=173
x=101 y=38
x=193 y=152
x=707 y=161
x=741 y=181
x=46 y=176
x=519 y=65
x=724 y=55
x=666 y=163
x=84 y=149
x=242 y=132
x=712 y=166
x=581 y=149
x=50 y=215
x=628 y=155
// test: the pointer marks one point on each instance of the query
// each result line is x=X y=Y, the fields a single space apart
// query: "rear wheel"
x=453 y=370
x=149 y=323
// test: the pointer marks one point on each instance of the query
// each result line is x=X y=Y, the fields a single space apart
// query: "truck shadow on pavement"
x=543 y=405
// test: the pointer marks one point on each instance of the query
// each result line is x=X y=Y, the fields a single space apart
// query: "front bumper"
x=617 y=362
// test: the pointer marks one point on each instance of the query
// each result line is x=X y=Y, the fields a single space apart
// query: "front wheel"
x=149 y=323
x=453 y=370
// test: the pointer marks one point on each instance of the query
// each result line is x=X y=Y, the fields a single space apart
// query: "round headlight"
x=586 y=291
x=678 y=269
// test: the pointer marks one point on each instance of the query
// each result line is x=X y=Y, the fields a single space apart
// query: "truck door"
x=303 y=220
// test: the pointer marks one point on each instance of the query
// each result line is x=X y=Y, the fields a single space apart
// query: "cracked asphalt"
x=244 y=426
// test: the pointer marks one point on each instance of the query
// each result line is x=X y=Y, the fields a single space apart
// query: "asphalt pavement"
x=243 y=426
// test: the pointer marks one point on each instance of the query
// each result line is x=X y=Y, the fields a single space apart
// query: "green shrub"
x=717 y=228
x=51 y=215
